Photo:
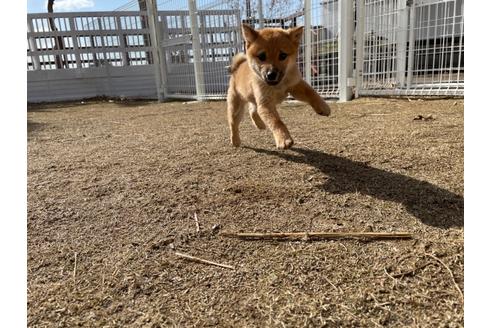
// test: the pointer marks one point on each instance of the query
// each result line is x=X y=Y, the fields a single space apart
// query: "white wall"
x=74 y=84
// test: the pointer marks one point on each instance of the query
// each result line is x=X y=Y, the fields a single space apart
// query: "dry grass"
x=113 y=188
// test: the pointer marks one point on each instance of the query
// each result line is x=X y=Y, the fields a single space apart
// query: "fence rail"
x=383 y=47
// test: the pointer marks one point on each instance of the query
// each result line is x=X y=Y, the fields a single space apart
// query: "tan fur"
x=236 y=61
x=263 y=78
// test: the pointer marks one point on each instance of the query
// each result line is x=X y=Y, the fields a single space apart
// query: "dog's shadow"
x=432 y=205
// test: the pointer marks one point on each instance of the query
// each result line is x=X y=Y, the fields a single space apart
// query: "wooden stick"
x=316 y=235
x=196 y=223
x=75 y=267
x=193 y=258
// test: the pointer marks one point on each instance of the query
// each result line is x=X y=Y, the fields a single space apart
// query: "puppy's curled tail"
x=236 y=62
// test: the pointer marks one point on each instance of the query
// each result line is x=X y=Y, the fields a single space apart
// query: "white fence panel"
x=62 y=85
x=88 y=55
x=324 y=47
x=413 y=48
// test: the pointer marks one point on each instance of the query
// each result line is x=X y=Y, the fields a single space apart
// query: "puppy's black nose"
x=272 y=76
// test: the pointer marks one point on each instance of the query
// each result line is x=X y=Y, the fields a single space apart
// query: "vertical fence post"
x=197 y=56
x=307 y=40
x=122 y=42
x=260 y=14
x=103 y=44
x=162 y=35
x=360 y=45
x=411 y=44
x=73 y=33
x=156 y=49
x=237 y=36
x=33 y=46
x=401 y=42
x=345 y=49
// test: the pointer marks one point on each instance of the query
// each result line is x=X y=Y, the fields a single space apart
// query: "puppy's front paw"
x=285 y=143
x=323 y=109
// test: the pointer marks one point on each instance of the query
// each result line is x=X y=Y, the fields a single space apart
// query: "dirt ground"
x=113 y=188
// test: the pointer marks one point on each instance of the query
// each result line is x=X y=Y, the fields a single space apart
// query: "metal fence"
x=361 y=47
x=411 y=47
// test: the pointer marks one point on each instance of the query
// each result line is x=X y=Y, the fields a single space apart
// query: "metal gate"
x=195 y=42
x=215 y=36
x=410 y=47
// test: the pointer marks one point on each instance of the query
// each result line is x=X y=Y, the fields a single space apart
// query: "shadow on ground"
x=34 y=126
x=54 y=106
x=432 y=205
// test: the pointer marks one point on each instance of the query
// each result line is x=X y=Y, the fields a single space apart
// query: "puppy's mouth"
x=271 y=82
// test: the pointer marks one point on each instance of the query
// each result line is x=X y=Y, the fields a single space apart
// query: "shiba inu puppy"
x=263 y=77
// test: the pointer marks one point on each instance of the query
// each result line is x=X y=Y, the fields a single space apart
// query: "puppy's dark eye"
x=282 y=56
x=262 y=56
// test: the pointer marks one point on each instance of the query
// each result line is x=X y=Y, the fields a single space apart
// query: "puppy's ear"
x=295 y=34
x=249 y=34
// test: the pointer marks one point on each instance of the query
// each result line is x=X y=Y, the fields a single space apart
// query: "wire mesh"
x=413 y=48
x=438 y=62
x=324 y=48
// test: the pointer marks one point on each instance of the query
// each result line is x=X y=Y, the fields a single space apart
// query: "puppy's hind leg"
x=235 y=110
x=255 y=117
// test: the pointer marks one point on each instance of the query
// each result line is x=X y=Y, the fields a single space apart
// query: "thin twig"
x=317 y=235
x=406 y=273
x=450 y=272
x=193 y=258
x=196 y=223
x=335 y=287
x=75 y=267
x=348 y=311
x=394 y=279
